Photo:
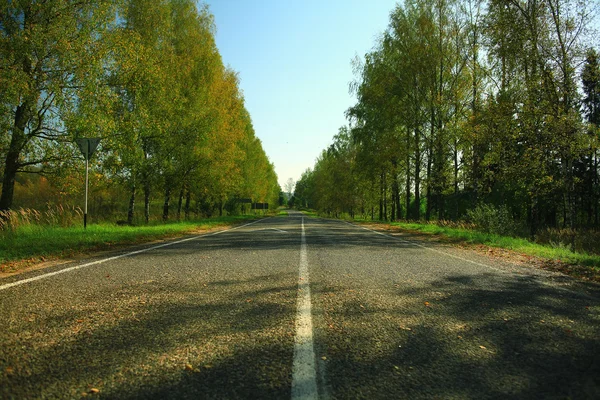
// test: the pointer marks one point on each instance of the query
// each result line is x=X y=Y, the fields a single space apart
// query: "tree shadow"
x=144 y=342
x=476 y=336
x=461 y=336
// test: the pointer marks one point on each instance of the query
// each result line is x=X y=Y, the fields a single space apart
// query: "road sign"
x=87 y=146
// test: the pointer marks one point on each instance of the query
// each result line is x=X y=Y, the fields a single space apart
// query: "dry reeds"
x=585 y=240
x=53 y=215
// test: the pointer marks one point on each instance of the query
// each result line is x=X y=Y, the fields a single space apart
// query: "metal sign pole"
x=87 y=147
x=86 y=189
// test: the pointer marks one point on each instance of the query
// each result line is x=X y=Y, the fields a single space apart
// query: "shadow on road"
x=228 y=332
x=229 y=339
x=482 y=336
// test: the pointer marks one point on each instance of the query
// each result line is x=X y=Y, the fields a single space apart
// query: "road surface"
x=296 y=307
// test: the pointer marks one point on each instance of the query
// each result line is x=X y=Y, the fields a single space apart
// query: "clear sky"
x=294 y=62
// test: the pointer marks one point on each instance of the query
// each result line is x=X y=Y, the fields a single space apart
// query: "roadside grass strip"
x=101 y=261
x=519 y=245
x=35 y=243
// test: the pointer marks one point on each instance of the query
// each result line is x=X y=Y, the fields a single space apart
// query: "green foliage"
x=145 y=76
x=440 y=132
x=496 y=220
x=33 y=241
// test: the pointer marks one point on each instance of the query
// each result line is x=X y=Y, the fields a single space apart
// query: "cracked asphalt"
x=214 y=317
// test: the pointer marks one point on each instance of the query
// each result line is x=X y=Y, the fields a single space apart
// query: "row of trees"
x=146 y=77
x=463 y=103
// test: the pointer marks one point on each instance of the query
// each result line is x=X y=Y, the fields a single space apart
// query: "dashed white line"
x=304 y=373
x=73 y=268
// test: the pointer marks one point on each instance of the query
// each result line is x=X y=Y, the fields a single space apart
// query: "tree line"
x=470 y=104
x=146 y=77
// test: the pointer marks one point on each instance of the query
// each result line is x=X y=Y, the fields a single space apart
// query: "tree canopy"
x=470 y=103
x=147 y=78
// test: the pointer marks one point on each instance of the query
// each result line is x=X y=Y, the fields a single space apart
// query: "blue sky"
x=294 y=62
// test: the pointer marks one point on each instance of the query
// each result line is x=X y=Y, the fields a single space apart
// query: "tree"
x=289 y=186
x=435 y=115
x=51 y=80
x=590 y=78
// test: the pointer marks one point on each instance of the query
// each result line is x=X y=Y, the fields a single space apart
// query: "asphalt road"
x=227 y=316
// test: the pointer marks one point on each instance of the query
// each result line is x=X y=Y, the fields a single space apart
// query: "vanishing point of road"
x=297 y=307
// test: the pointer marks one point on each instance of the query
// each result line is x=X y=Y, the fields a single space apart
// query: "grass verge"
x=581 y=265
x=34 y=243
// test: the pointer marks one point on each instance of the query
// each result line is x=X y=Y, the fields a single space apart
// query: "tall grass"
x=53 y=215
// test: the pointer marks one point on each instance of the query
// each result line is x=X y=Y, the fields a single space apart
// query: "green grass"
x=516 y=244
x=34 y=242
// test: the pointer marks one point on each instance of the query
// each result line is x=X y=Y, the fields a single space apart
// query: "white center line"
x=304 y=374
x=62 y=271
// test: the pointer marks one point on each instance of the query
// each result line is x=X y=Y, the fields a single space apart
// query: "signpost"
x=87 y=147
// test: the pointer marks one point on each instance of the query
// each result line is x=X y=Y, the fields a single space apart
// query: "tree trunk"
x=571 y=195
x=385 y=213
x=11 y=163
x=428 y=192
x=417 y=214
x=596 y=191
x=456 y=210
x=381 y=197
x=131 y=207
x=147 y=200
x=407 y=208
x=397 y=197
x=165 y=215
x=393 y=213
x=180 y=204
x=188 y=199
x=533 y=218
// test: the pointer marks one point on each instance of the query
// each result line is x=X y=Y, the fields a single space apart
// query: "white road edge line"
x=75 y=267
x=562 y=289
x=304 y=372
x=430 y=249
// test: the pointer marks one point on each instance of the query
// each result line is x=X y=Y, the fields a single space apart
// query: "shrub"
x=490 y=219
